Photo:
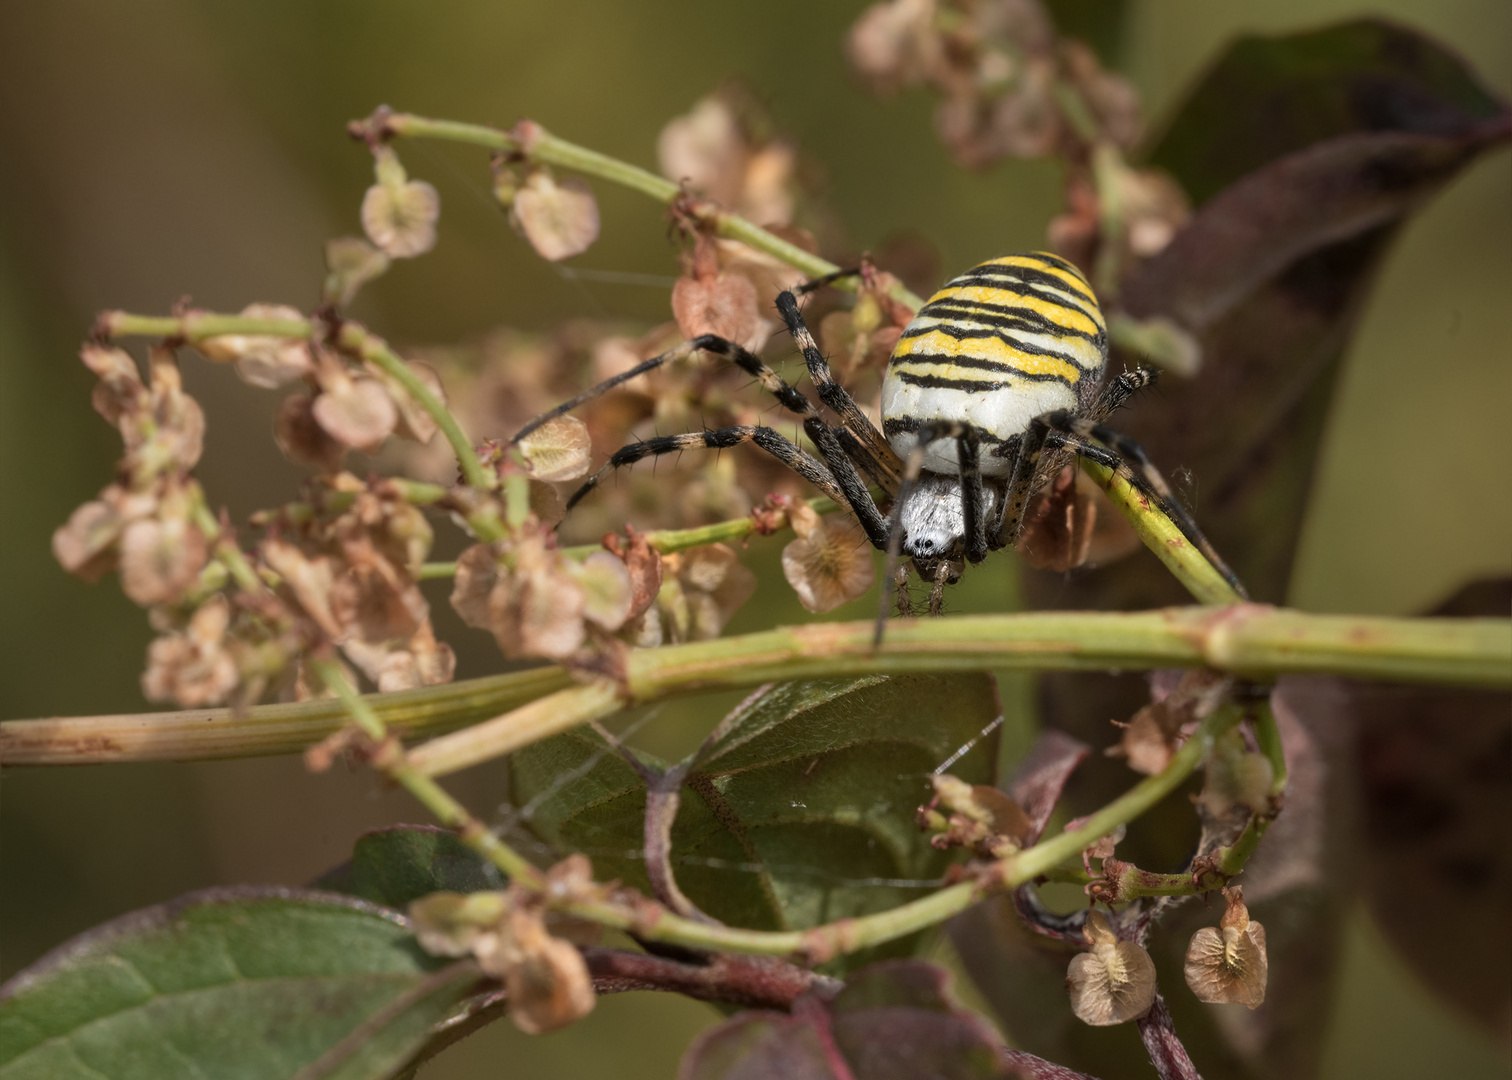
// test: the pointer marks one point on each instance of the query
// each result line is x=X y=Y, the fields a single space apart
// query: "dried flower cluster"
x=546 y=982
x=981 y=818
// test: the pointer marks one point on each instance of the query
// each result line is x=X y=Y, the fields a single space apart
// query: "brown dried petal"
x=557 y=450
x=310 y=580
x=645 y=566
x=715 y=585
x=414 y=422
x=371 y=601
x=261 y=359
x=1114 y=981
x=351 y=262
x=357 y=412
x=86 y=544
x=559 y=217
x=160 y=558
x=401 y=218
x=120 y=387
x=830 y=566
x=302 y=439
x=725 y=304
x=1150 y=738
x=894 y=44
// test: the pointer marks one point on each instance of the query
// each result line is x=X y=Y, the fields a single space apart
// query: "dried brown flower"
x=1114 y=981
x=162 y=556
x=262 y=359
x=830 y=563
x=706 y=300
x=895 y=44
x=193 y=667
x=351 y=262
x=557 y=450
x=355 y=411
x=559 y=217
x=398 y=214
x=302 y=439
x=1228 y=963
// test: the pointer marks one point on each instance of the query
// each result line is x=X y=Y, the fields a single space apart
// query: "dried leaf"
x=302 y=439
x=357 y=412
x=160 y=558
x=559 y=217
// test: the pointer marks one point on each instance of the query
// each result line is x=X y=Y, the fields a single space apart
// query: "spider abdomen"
x=1008 y=340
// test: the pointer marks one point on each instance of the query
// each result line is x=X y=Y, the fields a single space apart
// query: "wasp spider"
x=1002 y=365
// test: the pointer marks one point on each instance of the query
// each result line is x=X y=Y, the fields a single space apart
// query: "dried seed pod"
x=351 y=262
x=263 y=360
x=1113 y=982
x=830 y=563
x=1228 y=963
x=559 y=217
x=557 y=450
x=398 y=214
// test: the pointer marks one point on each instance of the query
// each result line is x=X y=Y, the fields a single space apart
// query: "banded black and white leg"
x=1064 y=430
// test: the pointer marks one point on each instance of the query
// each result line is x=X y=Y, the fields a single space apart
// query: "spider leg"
x=968 y=453
x=870 y=448
x=1129 y=460
x=780 y=448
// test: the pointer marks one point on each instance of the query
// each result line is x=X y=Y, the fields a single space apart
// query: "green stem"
x=196 y=326
x=392 y=760
x=1160 y=534
x=215 y=734
x=1249 y=640
x=375 y=350
x=1268 y=735
x=534 y=143
x=1030 y=864
x=668 y=541
x=226 y=551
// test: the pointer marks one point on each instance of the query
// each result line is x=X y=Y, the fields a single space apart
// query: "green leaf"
x=238 y=984
x=802 y=812
x=395 y=865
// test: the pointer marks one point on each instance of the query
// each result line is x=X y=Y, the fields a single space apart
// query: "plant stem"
x=533 y=143
x=214 y=734
x=1250 y=640
x=392 y=760
x=1031 y=863
x=374 y=349
x=668 y=541
x=196 y=326
x=1161 y=536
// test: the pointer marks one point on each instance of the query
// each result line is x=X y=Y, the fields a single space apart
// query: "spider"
x=1004 y=363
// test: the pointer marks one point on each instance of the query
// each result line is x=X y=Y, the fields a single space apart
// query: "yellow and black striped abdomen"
x=1007 y=340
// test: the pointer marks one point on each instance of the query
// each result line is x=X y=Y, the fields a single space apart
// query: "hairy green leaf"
x=238 y=984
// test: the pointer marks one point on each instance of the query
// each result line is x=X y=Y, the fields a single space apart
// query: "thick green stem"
x=213 y=734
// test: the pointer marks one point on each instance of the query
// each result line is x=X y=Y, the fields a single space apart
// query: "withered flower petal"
x=829 y=566
x=400 y=218
x=557 y=450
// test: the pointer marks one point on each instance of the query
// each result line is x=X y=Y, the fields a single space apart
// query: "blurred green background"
x=168 y=147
